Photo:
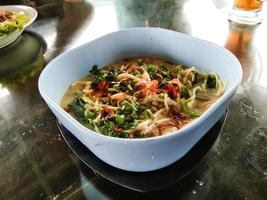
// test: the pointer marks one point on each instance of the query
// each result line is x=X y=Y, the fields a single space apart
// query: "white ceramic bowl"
x=8 y=39
x=149 y=153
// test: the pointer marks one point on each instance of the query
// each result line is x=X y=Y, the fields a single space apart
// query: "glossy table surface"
x=35 y=161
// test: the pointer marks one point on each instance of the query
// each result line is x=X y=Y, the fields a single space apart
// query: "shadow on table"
x=68 y=18
x=188 y=188
x=101 y=188
x=165 y=14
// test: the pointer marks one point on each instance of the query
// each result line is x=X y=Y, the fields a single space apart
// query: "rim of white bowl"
x=190 y=126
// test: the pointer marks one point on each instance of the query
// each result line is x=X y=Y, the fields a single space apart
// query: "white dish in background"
x=145 y=154
x=8 y=39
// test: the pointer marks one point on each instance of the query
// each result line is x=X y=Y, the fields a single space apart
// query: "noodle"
x=138 y=98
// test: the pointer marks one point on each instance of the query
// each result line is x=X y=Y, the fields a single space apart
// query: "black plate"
x=24 y=49
x=145 y=181
x=22 y=59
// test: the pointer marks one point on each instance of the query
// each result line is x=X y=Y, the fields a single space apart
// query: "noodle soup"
x=141 y=97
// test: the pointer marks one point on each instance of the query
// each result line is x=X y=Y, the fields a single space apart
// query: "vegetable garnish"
x=138 y=98
x=12 y=21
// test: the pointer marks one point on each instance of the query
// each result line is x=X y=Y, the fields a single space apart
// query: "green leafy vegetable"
x=188 y=111
x=140 y=62
x=129 y=108
x=77 y=107
x=111 y=75
x=197 y=77
x=106 y=127
x=12 y=21
x=211 y=81
x=185 y=92
x=163 y=68
x=98 y=76
x=8 y=28
x=163 y=83
x=119 y=119
x=94 y=70
x=152 y=70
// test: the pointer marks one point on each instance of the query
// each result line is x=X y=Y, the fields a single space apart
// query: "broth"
x=141 y=97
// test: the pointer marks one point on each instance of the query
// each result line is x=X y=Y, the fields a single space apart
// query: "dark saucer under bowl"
x=146 y=181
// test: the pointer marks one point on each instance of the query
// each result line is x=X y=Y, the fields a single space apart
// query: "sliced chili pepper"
x=153 y=86
x=102 y=85
x=106 y=112
x=117 y=130
x=172 y=90
x=98 y=95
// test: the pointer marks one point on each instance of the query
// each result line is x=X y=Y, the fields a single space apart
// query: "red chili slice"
x=172 y=90
x=102 y=85
x=153 y=86
x=106 y=112
x=117 y=130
